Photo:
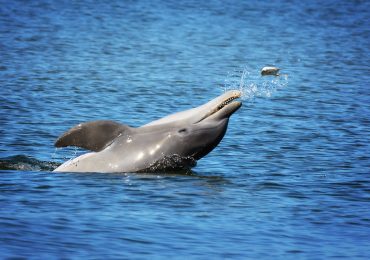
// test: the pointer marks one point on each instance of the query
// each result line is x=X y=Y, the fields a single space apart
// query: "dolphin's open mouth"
x=226 y=100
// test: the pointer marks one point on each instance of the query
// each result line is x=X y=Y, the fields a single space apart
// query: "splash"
x=171 y=163
x=252 y=84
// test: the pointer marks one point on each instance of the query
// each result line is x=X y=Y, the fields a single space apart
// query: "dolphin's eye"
x=183 y=131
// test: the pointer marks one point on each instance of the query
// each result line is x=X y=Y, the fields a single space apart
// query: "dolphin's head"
x=202 y=112
x=204 y=133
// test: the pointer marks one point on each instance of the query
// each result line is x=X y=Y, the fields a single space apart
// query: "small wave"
x=252 y=84
x=26 y=163
x=171 y=163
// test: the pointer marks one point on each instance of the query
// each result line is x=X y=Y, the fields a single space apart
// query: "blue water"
x=289 y=180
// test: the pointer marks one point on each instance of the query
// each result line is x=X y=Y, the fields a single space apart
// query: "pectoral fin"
x=94 y=135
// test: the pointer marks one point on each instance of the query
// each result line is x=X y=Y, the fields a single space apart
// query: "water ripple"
x=290 y=179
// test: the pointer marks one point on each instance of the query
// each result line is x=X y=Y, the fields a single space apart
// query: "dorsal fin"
x=94 y=135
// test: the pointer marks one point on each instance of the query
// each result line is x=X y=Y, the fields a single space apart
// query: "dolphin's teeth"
x=226 y=102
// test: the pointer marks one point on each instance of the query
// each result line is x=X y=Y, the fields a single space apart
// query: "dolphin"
x=115 y=147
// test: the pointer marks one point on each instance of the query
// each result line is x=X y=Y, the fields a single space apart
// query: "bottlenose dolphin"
x=120 y=148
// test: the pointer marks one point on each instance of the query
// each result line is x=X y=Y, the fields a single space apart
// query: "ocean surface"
x=290 y=179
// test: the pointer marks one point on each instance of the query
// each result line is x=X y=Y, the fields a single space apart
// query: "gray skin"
x=120 y=148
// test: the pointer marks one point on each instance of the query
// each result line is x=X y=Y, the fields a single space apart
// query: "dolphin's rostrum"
x=120 y=148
